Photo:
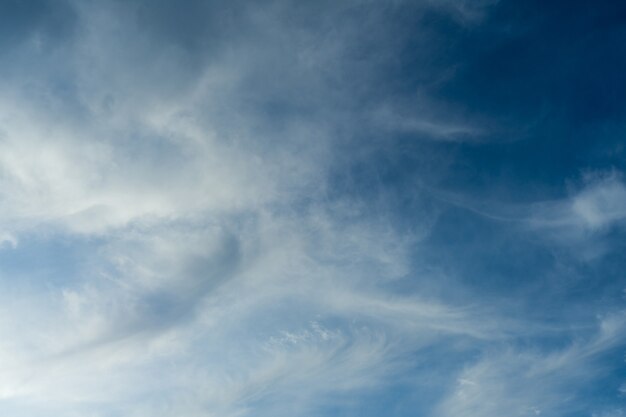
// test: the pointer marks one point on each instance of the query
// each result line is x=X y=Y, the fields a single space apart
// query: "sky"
x=349 y=208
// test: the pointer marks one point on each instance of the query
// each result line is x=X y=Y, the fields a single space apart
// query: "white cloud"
x=526 y=382
x=598 y=206
x=579 y=221
x=223 y=278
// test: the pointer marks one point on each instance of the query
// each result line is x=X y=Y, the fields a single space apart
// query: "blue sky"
x=312 y=208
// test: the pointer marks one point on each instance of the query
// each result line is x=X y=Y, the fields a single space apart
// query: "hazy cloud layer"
x=311 y=208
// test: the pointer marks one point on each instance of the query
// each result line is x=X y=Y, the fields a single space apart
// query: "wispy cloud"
x=526 y=382
x=206 y=210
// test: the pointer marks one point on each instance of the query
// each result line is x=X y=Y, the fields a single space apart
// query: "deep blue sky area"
x=312 y=208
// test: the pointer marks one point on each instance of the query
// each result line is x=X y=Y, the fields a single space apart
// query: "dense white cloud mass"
x=180 y=196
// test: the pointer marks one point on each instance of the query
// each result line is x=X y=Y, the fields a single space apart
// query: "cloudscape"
x=348 y=208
